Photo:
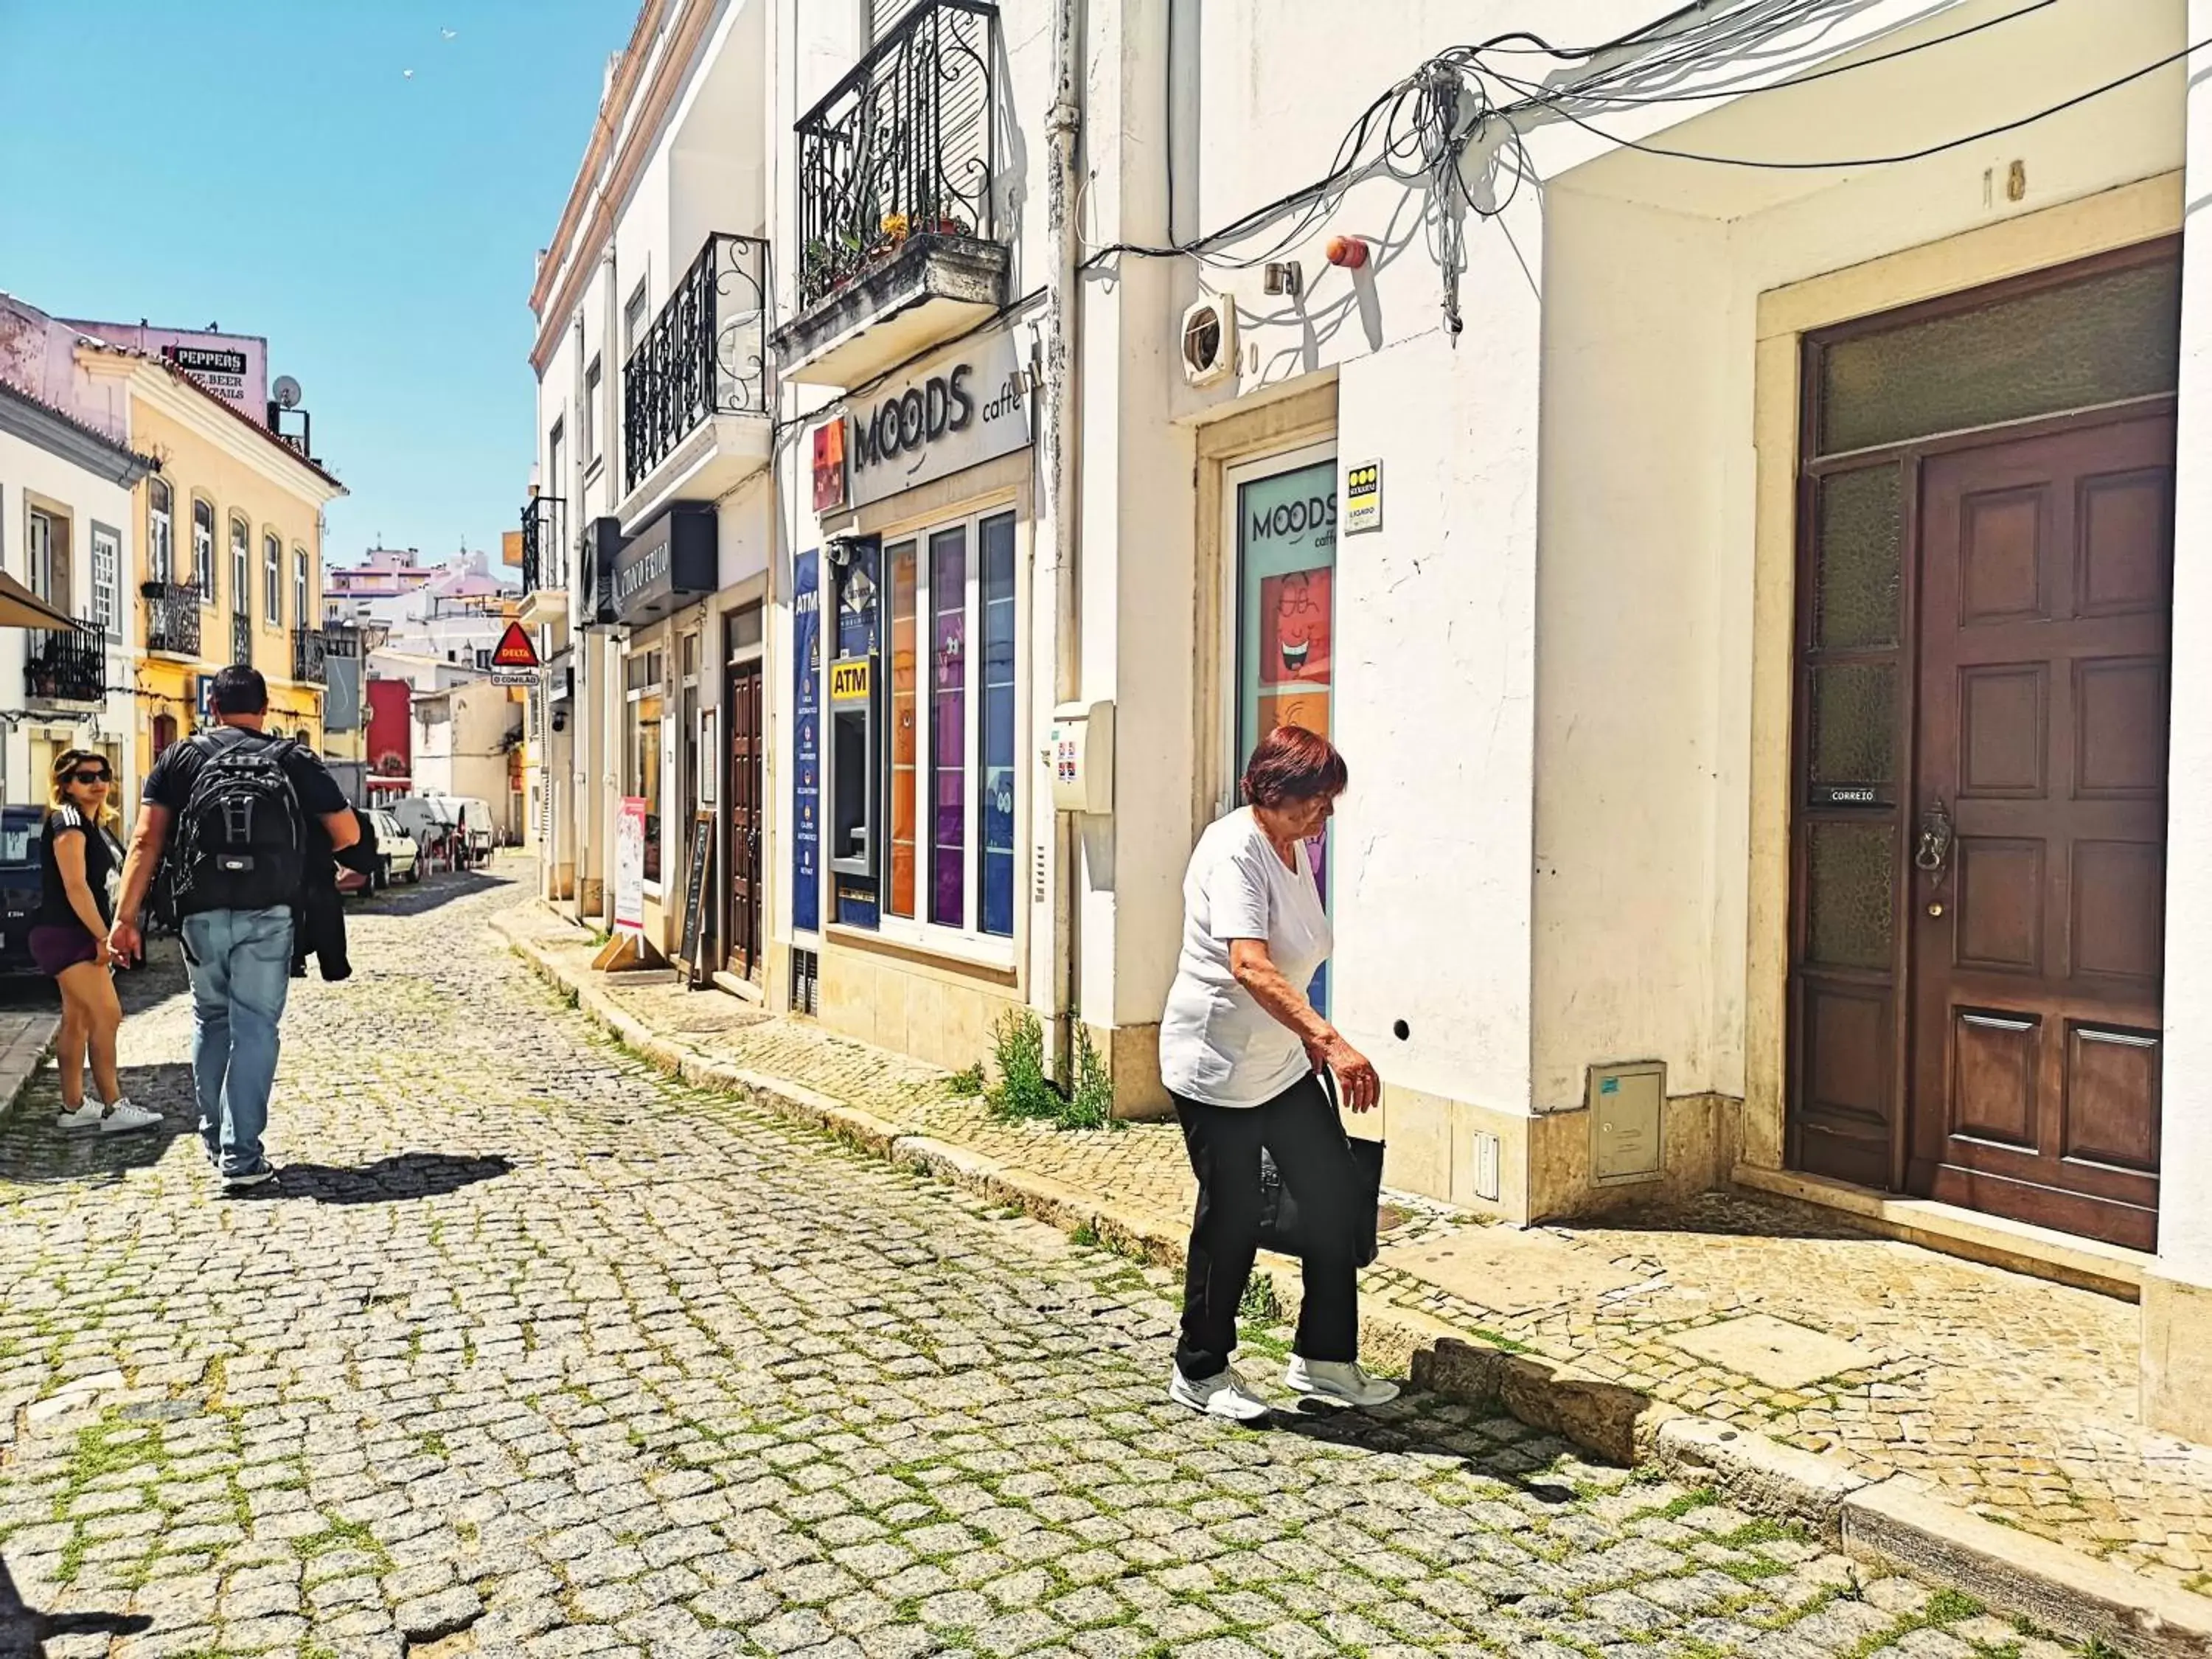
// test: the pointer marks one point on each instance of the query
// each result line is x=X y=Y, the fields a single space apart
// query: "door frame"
x=1911 y=456
x=743 y=661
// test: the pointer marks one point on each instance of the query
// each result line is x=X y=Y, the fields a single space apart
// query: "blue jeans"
x=241 y=963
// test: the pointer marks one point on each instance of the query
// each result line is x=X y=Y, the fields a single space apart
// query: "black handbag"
x=1278 y=1211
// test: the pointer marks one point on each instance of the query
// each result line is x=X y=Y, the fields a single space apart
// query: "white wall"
x=1654 y=272
x=87 y=499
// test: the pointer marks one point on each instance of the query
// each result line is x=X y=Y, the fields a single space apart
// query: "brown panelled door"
x=745 y=743
x=2039 y=880
x=1978 y=824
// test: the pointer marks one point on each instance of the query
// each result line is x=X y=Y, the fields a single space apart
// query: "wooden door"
x=2038 y=890
x=744 y=793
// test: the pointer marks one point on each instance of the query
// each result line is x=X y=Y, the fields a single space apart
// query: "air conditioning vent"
x=1209 y=340
x=805 y=982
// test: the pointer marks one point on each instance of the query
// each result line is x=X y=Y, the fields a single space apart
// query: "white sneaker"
x=122 y=1117
x=1337 y=1379
x=86 y=1116
x=1223 y=1394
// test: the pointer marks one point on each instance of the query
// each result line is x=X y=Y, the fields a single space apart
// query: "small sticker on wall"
x=1362 y=497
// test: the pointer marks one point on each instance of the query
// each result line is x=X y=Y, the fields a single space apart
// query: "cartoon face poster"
x=1295 y=609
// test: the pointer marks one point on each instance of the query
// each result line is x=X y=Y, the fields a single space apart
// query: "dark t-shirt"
x=170 y=783
x=55 y=909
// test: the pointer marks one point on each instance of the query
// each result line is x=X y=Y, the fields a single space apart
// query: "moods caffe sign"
x=968 y=408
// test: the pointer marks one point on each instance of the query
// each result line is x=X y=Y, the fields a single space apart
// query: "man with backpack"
x=236 y=812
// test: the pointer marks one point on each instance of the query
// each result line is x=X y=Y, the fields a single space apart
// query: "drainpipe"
x=1063 y=138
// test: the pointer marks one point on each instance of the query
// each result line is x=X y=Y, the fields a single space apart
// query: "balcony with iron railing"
x=173 y=618
x=66 y=665
x=312 y=648
x=241 y=638
x=897 y=218
x=704 y=355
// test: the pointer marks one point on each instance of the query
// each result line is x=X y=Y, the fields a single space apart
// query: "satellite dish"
x=286 y=391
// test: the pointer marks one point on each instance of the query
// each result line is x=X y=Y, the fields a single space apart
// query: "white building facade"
x=66 y=525
x=1715 y=481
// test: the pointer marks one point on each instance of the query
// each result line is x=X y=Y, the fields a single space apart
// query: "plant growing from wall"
x=1023 y=1089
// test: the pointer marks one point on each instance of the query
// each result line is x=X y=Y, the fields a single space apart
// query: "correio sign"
x=969 y=407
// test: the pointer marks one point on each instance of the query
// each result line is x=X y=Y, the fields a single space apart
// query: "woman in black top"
x=68 y=940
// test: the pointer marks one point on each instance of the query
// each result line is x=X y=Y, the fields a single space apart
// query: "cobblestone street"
x=533 y=1351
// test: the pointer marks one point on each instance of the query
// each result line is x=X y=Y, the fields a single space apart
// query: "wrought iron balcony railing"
x=532 y=559
x=66 y=664
x=905 y=145
x=705 y=354
x=241 y=638
x=173 y=618
x=313 y=647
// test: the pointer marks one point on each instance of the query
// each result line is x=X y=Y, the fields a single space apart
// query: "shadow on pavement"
x=1407 y=1428
x=431 y=892
x=387 y=1181
x=33 y=1150
x=24 y=1630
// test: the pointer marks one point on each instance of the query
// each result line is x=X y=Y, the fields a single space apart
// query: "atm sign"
x=848 y=681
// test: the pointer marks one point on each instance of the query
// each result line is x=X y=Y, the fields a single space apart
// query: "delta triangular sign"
x=516 y=650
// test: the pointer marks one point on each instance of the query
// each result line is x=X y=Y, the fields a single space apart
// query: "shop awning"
x=21 y=608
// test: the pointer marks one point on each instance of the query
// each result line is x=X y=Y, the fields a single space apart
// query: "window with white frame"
x=241 y=566
x=552 y=544
x=161 y=533
x=301 y=619
x=948 y=594
x=39 y=564
x=587 y=414
x=272 y=579
x=107 y=581
x=204 y=548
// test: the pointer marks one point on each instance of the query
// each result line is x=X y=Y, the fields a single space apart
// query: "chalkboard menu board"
x=694 y=895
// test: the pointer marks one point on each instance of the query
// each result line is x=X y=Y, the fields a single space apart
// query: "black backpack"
x=241 y=842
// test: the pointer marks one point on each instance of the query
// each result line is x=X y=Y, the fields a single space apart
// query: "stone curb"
x=34 y=1051
x=1895 y=1521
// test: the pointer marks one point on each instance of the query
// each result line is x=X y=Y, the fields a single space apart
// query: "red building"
x=391 y=728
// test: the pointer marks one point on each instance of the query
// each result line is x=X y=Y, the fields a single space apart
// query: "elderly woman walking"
x=69 y=941
x=1242 y=1052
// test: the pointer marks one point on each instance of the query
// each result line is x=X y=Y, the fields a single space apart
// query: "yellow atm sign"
x=848 y=681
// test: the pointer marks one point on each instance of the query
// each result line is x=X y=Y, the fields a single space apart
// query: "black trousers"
x=1301 y=1129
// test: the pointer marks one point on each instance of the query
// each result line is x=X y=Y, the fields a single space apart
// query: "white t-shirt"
x=1217 y=1045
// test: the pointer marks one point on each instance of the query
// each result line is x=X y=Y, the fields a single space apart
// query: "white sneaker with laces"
x=122 y=1117
x=1337 y=1379
x=1223 y=1394
x=86 y=1116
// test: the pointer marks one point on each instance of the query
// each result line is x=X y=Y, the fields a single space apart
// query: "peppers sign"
x=1362 y=497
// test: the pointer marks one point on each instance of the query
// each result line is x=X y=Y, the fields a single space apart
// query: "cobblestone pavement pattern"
x=533 y=1351
x=2014 y=1397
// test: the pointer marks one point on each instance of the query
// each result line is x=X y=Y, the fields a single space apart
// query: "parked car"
x=21 y=829
x=398 y=857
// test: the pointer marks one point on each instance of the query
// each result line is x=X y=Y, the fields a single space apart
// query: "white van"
x=434 y=822
x=481 y=829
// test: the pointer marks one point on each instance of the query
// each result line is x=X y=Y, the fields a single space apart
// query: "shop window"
x=1285 y=612
x=949 y=699
x=641 y=753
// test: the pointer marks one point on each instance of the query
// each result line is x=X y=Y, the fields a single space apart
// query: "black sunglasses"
x=93 y=777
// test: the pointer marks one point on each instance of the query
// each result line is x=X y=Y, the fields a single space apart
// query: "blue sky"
x=268 y=167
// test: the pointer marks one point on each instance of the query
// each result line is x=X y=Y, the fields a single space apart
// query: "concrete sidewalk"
x=1698 y=1334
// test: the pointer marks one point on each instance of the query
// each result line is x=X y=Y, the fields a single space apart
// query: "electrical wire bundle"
x=1419 y=131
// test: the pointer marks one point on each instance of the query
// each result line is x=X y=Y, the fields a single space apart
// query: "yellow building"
x=229 y=565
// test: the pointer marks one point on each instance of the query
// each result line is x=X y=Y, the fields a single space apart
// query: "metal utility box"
x=1627 y=1112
